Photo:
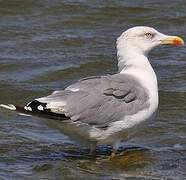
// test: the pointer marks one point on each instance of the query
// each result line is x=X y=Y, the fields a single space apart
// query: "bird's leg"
x=115 y=151
x=113 y=154
x=92 y=150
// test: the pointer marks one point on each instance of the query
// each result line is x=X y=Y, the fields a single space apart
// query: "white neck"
x=135 y=63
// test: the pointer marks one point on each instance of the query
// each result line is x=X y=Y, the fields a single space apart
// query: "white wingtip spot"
x=40 y=108
x=9 y=106
x=28 y=108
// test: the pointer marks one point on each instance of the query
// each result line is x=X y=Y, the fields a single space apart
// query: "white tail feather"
x=23 y=114
x=9 y=106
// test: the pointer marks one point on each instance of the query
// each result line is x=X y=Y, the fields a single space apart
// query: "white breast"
x=147 y=78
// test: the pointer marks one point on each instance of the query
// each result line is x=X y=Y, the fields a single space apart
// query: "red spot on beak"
x=178 y=41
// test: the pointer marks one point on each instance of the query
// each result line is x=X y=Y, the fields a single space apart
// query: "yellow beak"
x=173 y=40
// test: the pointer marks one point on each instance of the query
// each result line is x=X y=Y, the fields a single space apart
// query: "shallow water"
x=47 y=45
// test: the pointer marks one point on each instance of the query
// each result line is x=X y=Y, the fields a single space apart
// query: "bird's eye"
x=149 y=35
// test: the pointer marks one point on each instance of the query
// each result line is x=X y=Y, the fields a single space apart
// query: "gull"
x=107 y=109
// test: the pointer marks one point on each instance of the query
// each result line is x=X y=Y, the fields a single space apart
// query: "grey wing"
x=97 y=101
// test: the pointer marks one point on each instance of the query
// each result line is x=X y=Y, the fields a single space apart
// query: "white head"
x=134 y=44
x=142 y=39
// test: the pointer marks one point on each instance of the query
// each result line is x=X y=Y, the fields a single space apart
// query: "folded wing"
x=95 y=101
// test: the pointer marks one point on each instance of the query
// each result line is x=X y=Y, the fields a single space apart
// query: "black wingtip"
x=35 y=108
x=39 y=109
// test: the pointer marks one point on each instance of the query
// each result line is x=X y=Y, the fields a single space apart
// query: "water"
x=47 y=45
